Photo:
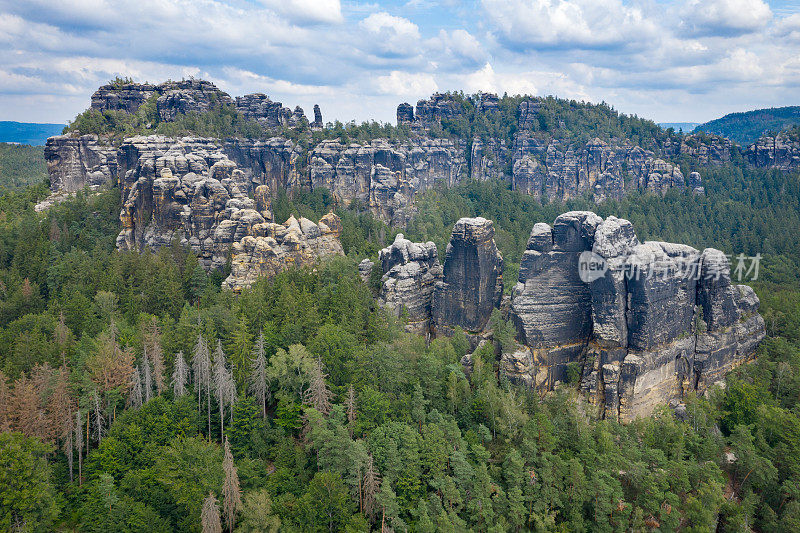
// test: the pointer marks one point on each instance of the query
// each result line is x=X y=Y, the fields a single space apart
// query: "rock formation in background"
x=317 y=124
x=472 y=278
x=410 y=273
x=781 y=151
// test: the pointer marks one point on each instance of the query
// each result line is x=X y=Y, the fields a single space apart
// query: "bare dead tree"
x=231 y=493
x=99 y=421
x=220 y=381
x=201 y=364
x=180 y=376
x=147 y=378
x=153 y=339
x=79 y=443
x=258 y=375
x=350 y=405
x=209 y=516
x=318 y=395
x=372 y=485
x=135 y=398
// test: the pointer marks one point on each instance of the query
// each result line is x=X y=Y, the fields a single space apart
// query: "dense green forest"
x=746 y=127
x=21 y=166
x=137 y=395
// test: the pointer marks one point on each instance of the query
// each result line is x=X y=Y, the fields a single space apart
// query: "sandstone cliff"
x=661 y=320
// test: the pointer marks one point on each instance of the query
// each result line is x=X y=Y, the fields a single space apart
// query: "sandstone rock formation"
x=74 y=162
x=268 y=248
x=382 y=175
x=652 y=322
x=410 y=273
x=472 y=278
x=780 y=151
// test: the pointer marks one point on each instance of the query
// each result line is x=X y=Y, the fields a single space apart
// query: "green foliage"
x=746 y=127
x=28 y=500
x=21 y=166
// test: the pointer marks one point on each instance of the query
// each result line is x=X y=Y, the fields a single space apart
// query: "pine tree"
x=221 y=385
x=372 y=486
x=5 y=394
x=231 y=493
x=350 y=405
x=61 y=335
x=153 y=340
x=79 y=443
x=209 y=516
x=147 y=378
x=60 y=405
x=180 y=376
x=99 y=421
x=258 y=375
x=135 y=398
x=318 y=395
x=201 y=365
x=24 y=408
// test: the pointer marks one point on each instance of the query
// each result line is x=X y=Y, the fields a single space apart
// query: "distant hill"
x=745 y=128
x=27 y=132
x=677 y=126
x=21 y=166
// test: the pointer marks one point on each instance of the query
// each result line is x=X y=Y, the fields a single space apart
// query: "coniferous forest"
x=138 y=395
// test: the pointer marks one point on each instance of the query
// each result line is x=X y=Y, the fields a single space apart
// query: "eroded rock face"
x=189 y=191
x=656 y=321
x=556 y=170
x=410 y=273
x=259 y=107
x=472 y=281
x=74 y=162
x=383 y=175
x=188 y=96
x=122 y=97
x=551 y=305
x=268 y=248
x=780 y=151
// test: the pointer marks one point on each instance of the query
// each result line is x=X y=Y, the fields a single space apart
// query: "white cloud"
x=405 y=84
x=391 y=36
x=314 y=11
x=569 y=24
x=724 y=17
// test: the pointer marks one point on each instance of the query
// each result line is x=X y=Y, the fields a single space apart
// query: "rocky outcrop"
x=382 y=175
x=641 y=324
x=317 y=124
x=259 y=107
x=707 y=149
x=124 y=96
x=551 y=305
x=781 y=151
x=74 y=162
x=188 y=96
x=472 y=278
x=556 y=170
x=405 y=113
x=268 y=248
x=410 y=273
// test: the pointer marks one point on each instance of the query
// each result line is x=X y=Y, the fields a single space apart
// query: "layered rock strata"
x=640 y=324
x=472 y=278
x=75 y=162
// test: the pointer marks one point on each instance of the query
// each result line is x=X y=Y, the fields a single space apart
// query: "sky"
x=667 y=60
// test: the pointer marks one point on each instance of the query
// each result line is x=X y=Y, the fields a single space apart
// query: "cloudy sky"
x=669 y=60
